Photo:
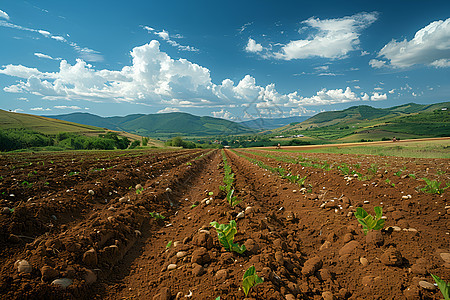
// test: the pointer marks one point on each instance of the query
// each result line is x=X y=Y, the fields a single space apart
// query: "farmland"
x=138 y=225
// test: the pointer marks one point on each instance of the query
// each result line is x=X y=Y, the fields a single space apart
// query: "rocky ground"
x=137 y=226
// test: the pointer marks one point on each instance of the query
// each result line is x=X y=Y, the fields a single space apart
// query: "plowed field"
x=136 y=225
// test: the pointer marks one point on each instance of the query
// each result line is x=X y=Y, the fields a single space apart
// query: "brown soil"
x=305 y=243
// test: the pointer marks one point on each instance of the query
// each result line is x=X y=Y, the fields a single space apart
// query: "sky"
x=237 y=60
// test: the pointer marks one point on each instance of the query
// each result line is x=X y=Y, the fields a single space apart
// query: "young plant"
x=345 y=170
x=434 y=187
x=139 y=190
x=370 y=222
x=169 y=244
x=250 y=279
x=443 y=286
x=225 y=233
x=157 y=216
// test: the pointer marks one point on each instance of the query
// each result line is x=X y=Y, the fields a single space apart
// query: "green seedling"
x=169 y=244
x=373 y=169
x=188 y=164
x=26 y=184
x=434 y=187
x=225 y=233
x=211 y=193
x=196 y=203
x=412 y=176
x=250 y=279
x=399 y=173
x=345 y=170
x=157 y=216
x=370 y=222
x=443 y=286
x=139 y=190
x=232 y=199
x=73 y=173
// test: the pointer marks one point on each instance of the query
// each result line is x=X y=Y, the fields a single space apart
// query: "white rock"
x=171 y=267
x=62 y=282
x=181 y=254
x=426 y=285
x=23 y=266
x=169 y=190
x=240 y=215
x=91 y=192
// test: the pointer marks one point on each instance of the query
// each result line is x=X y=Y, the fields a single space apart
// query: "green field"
x=419 y=149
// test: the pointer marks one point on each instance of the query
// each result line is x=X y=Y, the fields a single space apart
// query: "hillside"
x=366 y=122
x=161 y=125
x=272 y=123
x=50 y=126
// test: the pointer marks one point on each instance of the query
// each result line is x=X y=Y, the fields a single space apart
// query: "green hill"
x=161 y=125
x=369 y=123
x=11 y=120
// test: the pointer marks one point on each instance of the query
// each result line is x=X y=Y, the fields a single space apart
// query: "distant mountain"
x=167 y=124
x=366 y=122
x=266 y=123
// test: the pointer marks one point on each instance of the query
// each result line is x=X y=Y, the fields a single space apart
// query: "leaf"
x=443 y=286
x=250 y=279
x=379 y=225
x=378 y=212
x=361 y=212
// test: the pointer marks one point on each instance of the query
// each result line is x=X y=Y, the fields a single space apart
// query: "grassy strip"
x=283 y=173
x=228 y=180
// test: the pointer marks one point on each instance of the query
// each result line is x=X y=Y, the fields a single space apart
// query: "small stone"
x=325 y=245
x=290 y=216
x=62 y=282
x=396 y=228
x=445 y=256
x=197 y=270
x=200 y=256
x=349 y=248
x=240 y=215
x=391 y=257
x=375 y=237
x=171 y=267
x=203 y=239
x=90 y=258
x=251 y=246
x=328 y=296
x=249 y=210
x=348 y=237
x=426 y=285
x=311 y=266
x=169 y=190
x=89 y=276
x=364 y=261
x=138 y=187
x=48 y=273
x=221 y=275
x=279 y=257
x=181 y=254
x=92 y=193
x=23 y=267
x=289 y=297
x=420 y=267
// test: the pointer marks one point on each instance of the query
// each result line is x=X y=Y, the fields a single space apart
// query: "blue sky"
x=234 y=59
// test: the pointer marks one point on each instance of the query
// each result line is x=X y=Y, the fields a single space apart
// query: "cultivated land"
x=94 y=220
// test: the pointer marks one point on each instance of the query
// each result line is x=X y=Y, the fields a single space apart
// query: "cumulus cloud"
x=154 y=78
x=40 y=109
x=430 y=46
x=377 y=97
x=168 y=110
x=332 y=38
x=163 y=34
x=253 y=47
x=375 y=63
x=223 y=114
x=4 y=15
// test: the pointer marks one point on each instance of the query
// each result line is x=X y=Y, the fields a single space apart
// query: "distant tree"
x=135 y=144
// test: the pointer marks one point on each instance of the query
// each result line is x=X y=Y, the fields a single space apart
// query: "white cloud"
x=357 y=87
x=17 y=110
x=364 y=53
x=85 y=53
x=223 y=114
x=377 y=97
x=167 y=37
x=73 y=107
x=334 y=38
x=430 y=46
x=365 y=97
x=378 y=88
x=42 y=55
x=253 y=47
x=154 y=78
x=392 y=91
x=4 y=15
x=23 y=99
x=168 y=110
x=40 y=109
x=322 y=68
x=375 y=63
